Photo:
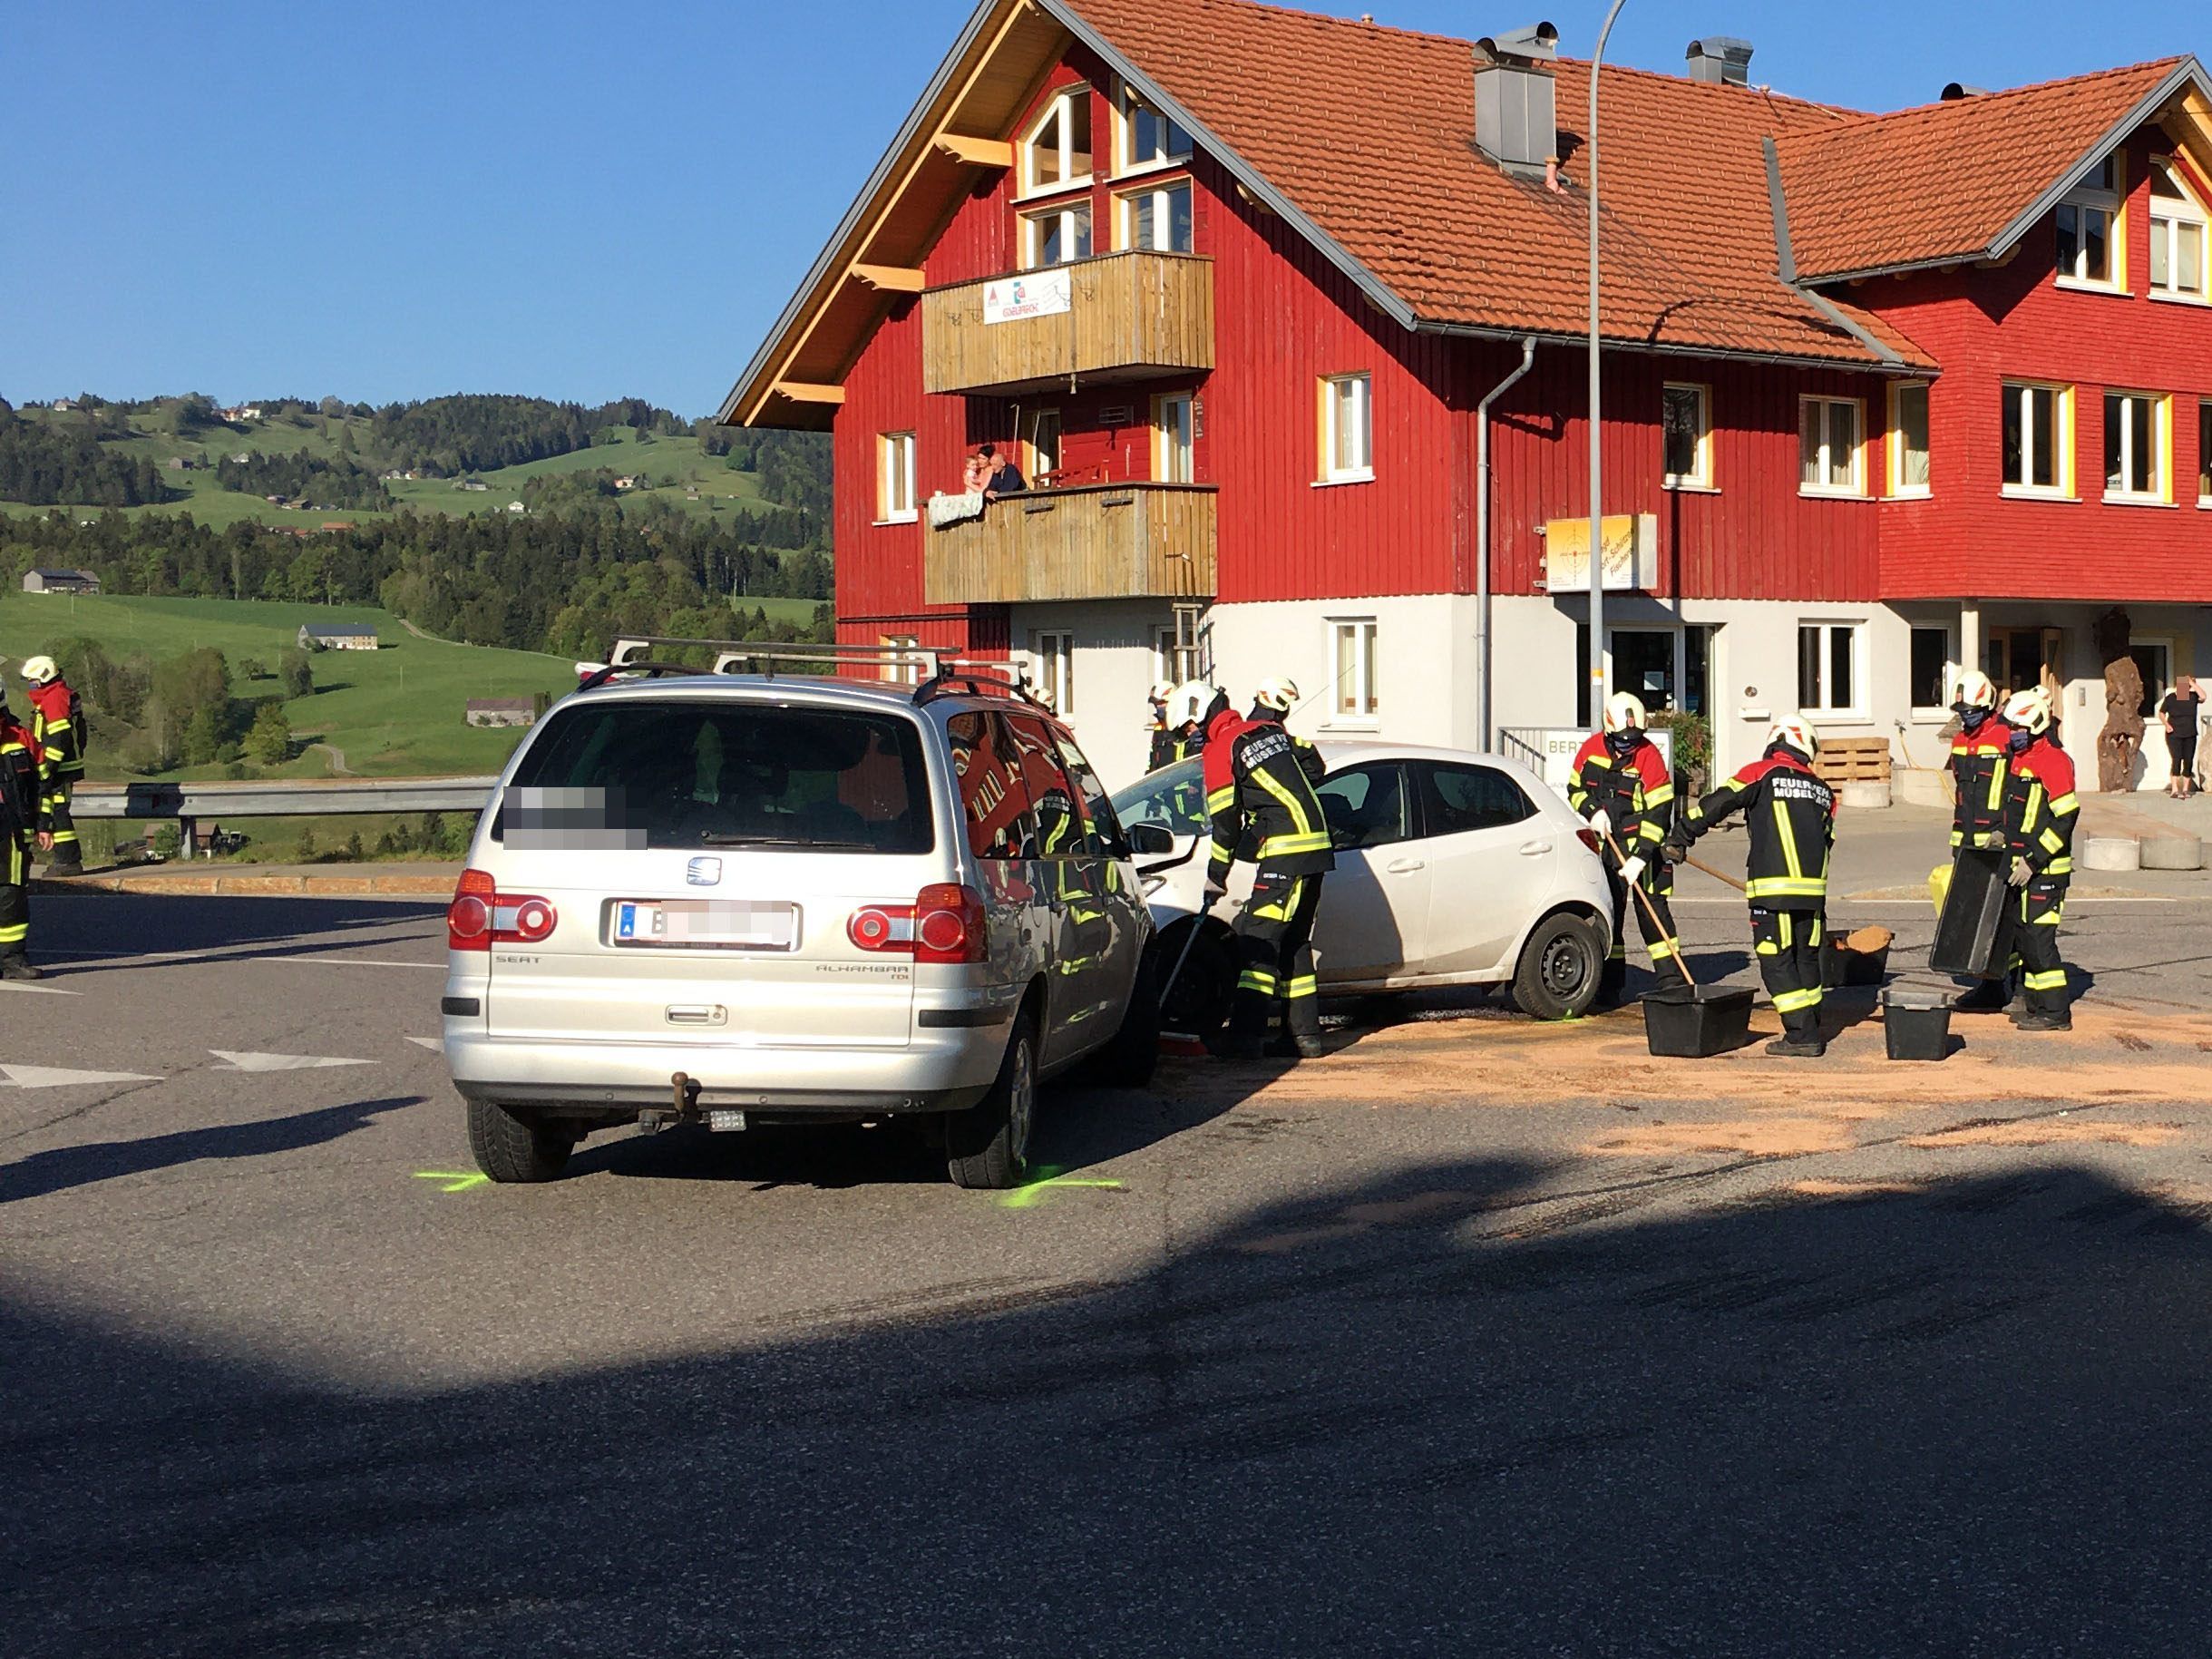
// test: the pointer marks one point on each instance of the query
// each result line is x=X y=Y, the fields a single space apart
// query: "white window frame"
x=1052 y=654
x=1826 y=708
x=1125 y=162
x=1335 y=389
x=2063 y=451
x=1057 y=108
x=1934 y=714
x=2161 y=448
x=1067 y=212
x=1701 y=477
x=1857 y=486
x=905 y=667
x=2095 y=199
x=1365 y=635
x=1899 y=489
x=1175 y=449
x=895 y=476
x=1124 y=215
x=2173 y=216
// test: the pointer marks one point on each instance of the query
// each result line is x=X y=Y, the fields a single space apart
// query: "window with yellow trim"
x=1908 y=438
x=2038 y=427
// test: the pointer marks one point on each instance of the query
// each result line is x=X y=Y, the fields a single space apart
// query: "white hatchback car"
x=1453 y=868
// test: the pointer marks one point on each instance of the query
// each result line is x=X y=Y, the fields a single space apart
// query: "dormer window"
x=1147 y=138
x=1056 y=153
x=2178 y=236
x=2087 y=221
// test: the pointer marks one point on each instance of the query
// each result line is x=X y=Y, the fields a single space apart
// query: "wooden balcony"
x=1127 y=316
x=1122 y=540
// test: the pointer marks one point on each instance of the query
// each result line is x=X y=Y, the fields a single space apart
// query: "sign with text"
x=1036 y=293
x=1631 y=559
x=1554 y=748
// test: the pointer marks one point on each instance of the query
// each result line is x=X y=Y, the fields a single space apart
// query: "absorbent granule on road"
x=1750 y=1137
x=2051 y=1132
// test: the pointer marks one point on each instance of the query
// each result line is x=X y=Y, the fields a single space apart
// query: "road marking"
x=57 y=1077
x=234 y=1060
x=1047 y=1176
x=44 y=991
x=437 y=1045
x=455 y=1180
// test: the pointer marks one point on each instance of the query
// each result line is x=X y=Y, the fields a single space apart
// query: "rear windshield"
x=697 y=774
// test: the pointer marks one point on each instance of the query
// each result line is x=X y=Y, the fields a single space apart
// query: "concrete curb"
x=347 y=881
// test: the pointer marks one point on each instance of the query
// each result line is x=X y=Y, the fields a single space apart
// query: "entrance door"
x=2016 y=657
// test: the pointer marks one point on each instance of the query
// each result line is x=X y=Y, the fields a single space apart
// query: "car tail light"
x=882 y=927
x=945 y=924
x=1589 y=838
x=482 y=916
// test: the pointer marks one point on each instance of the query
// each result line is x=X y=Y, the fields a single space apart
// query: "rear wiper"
x=715 y=838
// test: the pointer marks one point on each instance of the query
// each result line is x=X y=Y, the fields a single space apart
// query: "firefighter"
x=57 y=749
x=22 y=818
x=1156 y=724
x=1623 y=785
x=1980 y=760
x=1179 y=713
x=1260 y=797
x=2040 y=811
x=1791 y=814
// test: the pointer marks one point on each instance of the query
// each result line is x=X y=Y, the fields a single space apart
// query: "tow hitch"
x=683 y=1107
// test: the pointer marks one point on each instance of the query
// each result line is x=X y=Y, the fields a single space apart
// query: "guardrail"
x=286 y=798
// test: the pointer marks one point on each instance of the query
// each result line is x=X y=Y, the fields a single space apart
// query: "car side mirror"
x=1149 y=840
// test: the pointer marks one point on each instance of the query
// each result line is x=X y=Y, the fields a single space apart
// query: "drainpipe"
x=1482 y=543
x=1601 y=660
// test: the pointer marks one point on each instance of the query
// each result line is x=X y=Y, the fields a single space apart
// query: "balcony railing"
x=1123 y=540
x=1121 y=317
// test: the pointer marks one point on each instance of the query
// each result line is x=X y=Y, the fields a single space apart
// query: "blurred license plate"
x=728 y=925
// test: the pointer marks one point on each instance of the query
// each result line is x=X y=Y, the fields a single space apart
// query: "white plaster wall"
x=1114 y=669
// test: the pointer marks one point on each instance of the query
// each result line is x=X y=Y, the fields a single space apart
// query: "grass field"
x=397 y=711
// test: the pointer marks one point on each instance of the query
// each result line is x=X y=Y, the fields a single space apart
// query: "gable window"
x=1171 y=430
x=2178 y=236
x=1158 y=219
x=1054 y=652
x=2088 y=249
x=1827 y=668
x=1056 y=154
x=895 y=478
x=2038 y=440
x=1056 y=236
x=1352 y=654
x=1348 y=429
x=1829 y=447
x=1686 y=424
x=1908 y=438
x=1148 y=138
x=2135 y=427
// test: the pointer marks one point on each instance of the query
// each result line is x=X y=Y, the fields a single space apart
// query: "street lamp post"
x=1600 y=657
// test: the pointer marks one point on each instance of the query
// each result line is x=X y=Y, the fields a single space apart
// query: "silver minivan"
x=749 y=896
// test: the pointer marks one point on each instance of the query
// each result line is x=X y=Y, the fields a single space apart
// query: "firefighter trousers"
x=15 y=900
x=1275 y=956
x=2035 y=946
x=1788 y=943
x=1660 y=936
x=65 y=827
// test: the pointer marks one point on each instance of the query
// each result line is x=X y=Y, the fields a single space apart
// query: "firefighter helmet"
x=1975 y=691
x=1624 y=712
x=1187 y=704
x=1277 y=692
x=1162 y=690
x=1795 y=731
x=2028 y=711
x=38 y=670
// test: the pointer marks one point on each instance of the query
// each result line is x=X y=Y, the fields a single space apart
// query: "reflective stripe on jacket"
x=1261 y=800
x=1637 y=794
x=1791 y=814
x=57 y=731
x=1979 y=762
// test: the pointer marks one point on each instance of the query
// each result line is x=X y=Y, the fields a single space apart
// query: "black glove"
x=1674 y=852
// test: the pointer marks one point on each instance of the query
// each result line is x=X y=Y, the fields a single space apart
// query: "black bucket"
x=1966 y=934
x=1696 y=1023
x=1840 y=968
x=1916 y=1024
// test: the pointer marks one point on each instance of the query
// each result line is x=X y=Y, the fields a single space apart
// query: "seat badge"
x=703 y=871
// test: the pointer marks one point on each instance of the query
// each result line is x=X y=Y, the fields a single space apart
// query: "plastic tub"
x=1968 y=931
x=1916 y=1024
x=1695 y=1022
x=1846 y=963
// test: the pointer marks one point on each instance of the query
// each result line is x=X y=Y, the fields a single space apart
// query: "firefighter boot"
x=14 y=965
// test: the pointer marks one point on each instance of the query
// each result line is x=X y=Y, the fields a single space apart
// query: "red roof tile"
x=1945 y=180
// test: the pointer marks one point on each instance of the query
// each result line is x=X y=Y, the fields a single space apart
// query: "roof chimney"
x=1721 y=59
x=1957 y=90
x=1516 y=117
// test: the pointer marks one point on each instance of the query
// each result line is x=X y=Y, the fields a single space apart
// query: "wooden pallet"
x=1854 y=760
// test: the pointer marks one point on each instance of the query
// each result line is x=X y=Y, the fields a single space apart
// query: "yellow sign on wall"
x=1631 y=556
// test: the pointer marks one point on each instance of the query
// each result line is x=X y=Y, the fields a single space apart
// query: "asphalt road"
x=1543 y=1362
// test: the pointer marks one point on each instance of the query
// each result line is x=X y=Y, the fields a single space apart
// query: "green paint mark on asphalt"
x=1047 y=1176
x=456 y=1180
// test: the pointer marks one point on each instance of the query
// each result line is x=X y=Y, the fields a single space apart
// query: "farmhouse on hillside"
x=502 y=710
x=60 y=581
x=1884 y=396
x=337 y=637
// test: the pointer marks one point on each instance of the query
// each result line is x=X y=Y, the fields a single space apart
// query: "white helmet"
x=1975 y=689
x=1624 y=712
x=2028 y=711
x=1162 y=690
x=38 y=670
x=1278 y=692
x=1187 y=703
x=1796 y=731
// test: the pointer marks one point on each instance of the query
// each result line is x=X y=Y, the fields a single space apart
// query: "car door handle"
x=1534 y=849
x=1406 y=866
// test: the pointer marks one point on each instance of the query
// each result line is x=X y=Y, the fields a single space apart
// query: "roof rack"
x=980 y=676
x=946 y=675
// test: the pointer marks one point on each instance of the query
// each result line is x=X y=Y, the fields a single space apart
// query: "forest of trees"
x=40 y=465
x=302 y=477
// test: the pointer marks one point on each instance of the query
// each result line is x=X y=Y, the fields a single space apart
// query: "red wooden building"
x=1232 y=284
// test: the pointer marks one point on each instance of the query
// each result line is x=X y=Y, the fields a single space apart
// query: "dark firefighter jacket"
x=1259 y=796
x=1636 y=794
x=21 y=803
x=1979 y=762
x=2041 y=809
x=1791 y=815
x=1169 y=746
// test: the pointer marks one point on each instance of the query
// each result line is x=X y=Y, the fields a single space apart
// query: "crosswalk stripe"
x=237 y=1060
x=57 y=1076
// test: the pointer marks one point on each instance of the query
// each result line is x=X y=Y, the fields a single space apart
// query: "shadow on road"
x=1419 y=1414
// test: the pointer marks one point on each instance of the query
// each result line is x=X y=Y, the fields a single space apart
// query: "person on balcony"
x=1004 y=477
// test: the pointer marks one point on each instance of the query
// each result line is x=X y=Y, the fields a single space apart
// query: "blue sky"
x=252 y=198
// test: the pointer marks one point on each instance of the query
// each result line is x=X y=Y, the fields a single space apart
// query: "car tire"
x=1127 y=1060
x=1560 y=969
x=511 y=1145
x=987 y=1146
x=1197 y=1003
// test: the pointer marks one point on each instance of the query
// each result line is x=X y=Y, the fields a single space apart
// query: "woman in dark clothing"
x=2180 y=713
